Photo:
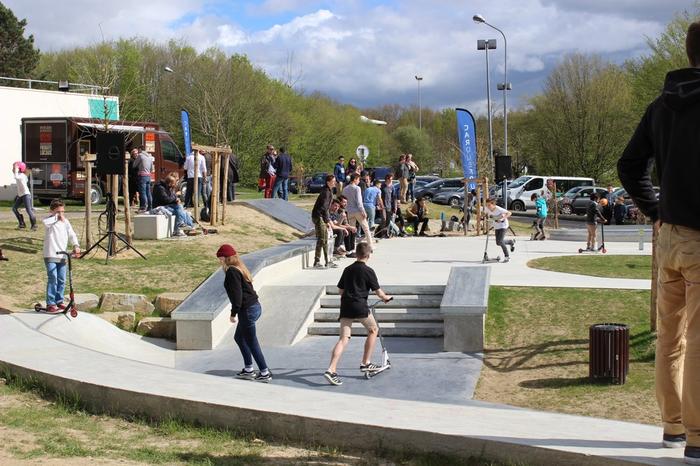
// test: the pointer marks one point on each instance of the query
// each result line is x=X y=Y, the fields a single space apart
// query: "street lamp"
x=488 y=44
x=505 y=86
x=420 y=106
x=371 y=121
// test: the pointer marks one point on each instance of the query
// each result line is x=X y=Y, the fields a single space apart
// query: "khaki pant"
x=359 y=218
x=678 y=331
x=367 y=322
x=321 y=240
x=403 y=189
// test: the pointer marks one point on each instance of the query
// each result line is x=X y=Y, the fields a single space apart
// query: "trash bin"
x=608 y=350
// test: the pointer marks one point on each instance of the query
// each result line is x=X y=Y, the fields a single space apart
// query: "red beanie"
x=226 y=250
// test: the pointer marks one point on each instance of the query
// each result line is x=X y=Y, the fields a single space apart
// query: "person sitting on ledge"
x=417 y=214
x=165 y=195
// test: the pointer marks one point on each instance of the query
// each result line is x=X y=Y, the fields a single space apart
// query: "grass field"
x=598 y=266
x=536 y=352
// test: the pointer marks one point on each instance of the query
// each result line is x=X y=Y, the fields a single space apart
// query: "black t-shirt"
x=357 y=280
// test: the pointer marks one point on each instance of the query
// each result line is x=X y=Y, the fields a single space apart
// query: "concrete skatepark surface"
x=422 y=403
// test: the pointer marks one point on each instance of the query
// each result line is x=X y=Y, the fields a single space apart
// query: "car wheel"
x=518 y=206
x=428 y=197
x=566 y=210
x=96 y=195
x=454 y=202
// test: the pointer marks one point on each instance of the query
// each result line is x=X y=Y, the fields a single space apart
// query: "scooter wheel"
x=368 y=375
x=580 y=251
x=603 y=250
x=74 y=313
x=37 y=307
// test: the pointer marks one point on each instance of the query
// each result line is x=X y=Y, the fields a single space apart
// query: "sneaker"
x=179 y=233
x=691 y=455
x=61 y=306
x=369 y=367
x=506 y=259
x=674 y=441
x=52 y=309
x=33 y=228
x=512 y=246
x=21 y=227
x=318 y=265
x=351 y=255
x=263 y=378
x=333 y=378
x=246 y=375
x=331 y=265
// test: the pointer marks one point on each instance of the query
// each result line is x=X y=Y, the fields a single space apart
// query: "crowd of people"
x=275 y=171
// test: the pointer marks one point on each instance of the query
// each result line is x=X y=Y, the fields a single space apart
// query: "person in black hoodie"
x=668 y=137
x=283 y=168
x=322 y=222
x=245 y=310
x=165 y=195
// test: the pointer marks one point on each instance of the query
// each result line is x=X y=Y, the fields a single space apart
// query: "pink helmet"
x=21 y=166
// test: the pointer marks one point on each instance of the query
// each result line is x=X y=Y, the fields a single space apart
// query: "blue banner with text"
x=466 y=135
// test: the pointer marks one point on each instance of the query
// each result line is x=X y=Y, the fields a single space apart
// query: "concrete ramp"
x=91 y=332
x=284 y=212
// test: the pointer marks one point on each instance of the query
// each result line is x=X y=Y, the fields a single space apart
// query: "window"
x=535 y=183
x=454 y=183
x=170 y=151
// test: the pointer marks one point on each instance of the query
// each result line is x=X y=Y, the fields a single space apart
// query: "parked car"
x=293 y=185
x=450 y=198
x=575 y=200
x=520 y=191
x=430 y=190
x=425 y=179
x=379 y=172
x=632 y=209
x=315 y=182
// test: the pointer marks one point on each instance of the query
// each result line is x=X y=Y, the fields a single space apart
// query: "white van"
x=521 y=189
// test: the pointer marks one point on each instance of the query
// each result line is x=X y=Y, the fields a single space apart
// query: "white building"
x=17 y=103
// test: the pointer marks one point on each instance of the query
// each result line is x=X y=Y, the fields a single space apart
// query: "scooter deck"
x=379 y=370
x=68 y=310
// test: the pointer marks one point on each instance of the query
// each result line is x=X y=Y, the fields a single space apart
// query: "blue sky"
x=366 y=53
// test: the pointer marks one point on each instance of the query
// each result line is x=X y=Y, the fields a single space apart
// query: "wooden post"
x=195 y=194
x=214 y=196
x=115 y=191
x=87 y=160
x=654 y=278
x=225 y=188
x=478 y=208
x=127 y=206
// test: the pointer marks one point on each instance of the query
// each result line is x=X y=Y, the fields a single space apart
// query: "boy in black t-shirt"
x=354 y=285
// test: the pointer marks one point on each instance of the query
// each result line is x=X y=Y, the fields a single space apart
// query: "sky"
x=367 y=53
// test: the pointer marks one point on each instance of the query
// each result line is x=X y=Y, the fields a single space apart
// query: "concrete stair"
x=414 y=312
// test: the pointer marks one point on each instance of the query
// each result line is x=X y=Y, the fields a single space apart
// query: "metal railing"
x=70 y=87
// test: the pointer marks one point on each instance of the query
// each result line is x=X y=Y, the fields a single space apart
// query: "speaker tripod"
x=112 y=236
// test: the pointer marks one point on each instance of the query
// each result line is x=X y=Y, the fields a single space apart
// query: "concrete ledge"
x=464 y=306
x=208 y=306
x=495 y=432
x=613 y=234
x=148 y=226
x=283 y=211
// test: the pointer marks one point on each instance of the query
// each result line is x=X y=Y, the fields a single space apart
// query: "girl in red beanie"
x=245 y=310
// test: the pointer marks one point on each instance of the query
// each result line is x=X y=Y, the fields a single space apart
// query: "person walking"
x=245 y=311
x=24 y=196
x=356 y=209
x=58 y=236
x=541 y=216
x=354 y=285
x=668 y=136
x=322 y=222
x=283 y=168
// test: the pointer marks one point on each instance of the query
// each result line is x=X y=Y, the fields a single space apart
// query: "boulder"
x=117 y=302
x=165 y=303
x=86 y=301
x=124 y=320
x=158 y=327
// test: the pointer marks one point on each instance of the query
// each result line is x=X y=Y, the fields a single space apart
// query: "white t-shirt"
x=201 y=166
x=496 y=214
x=22 y=185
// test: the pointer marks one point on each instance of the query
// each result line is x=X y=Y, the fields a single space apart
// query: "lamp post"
x=420 y=106
x=488 y=44
x=505 y=86
x=364 y=119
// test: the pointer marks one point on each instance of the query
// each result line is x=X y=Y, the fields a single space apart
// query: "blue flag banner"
x=185 y=118
x=466 y=135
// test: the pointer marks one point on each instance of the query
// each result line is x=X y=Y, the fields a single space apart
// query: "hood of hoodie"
x=682 y=88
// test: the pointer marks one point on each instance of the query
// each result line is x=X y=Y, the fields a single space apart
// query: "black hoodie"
x=668 y=135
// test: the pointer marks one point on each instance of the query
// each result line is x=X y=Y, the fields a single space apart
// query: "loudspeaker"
x=110 y=153
x=504 y=167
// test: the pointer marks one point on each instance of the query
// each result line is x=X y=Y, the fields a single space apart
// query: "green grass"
x=60 y=427
x=537 y=351
x=598 y=266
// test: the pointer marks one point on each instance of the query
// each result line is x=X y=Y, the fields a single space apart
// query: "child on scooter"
x=354 y=286
x=593 y=217
x=58 y=234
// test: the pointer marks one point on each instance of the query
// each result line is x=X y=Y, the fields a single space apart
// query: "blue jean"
x=145 y=195
x=56 y=283
x=283 y=185
x=182 y=218
x=246 y=337
x=371 y=212
x=27 y=201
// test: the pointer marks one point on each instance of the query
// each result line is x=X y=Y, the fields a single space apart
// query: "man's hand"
x=387 y=298
x=233 y=319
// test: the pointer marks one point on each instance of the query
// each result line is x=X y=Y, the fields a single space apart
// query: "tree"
x=18 y=57
x=411 y=140
x=582 y=121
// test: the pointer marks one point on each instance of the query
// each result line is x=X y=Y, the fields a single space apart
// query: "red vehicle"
x=52 y=149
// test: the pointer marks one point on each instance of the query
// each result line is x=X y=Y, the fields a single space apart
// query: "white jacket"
x=57 y=236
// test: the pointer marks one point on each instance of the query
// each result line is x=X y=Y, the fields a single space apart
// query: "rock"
x=124 y=320
x=165 y=303
x=115 y=302
x=159 y=327
x=86 y=301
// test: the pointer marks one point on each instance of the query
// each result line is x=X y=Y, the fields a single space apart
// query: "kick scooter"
x=71 y=307
x=600 y=248
x=386 y=364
